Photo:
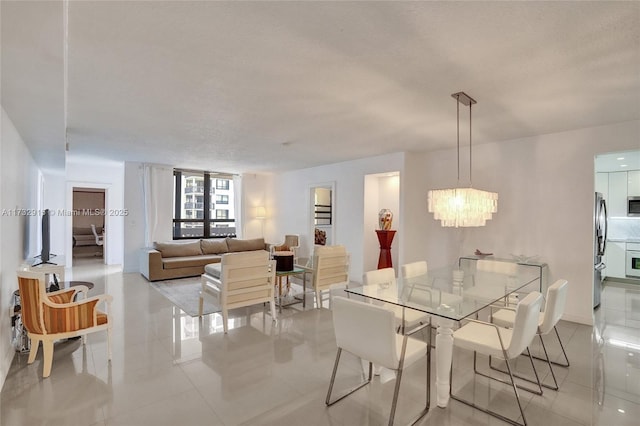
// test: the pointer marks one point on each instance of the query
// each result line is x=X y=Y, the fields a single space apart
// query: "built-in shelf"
x=323 y=214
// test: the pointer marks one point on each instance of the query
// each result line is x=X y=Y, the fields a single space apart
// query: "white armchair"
x=246 y=278
x=99 y=238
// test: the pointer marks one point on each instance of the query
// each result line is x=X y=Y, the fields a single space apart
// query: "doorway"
x=617 y=177
x=322 y=203
x=88 y=224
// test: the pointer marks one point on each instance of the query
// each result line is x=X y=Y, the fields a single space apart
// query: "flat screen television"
x=45 y=254
x=46 y=242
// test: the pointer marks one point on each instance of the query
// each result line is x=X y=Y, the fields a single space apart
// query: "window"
x=222 y=184
x=195 y=214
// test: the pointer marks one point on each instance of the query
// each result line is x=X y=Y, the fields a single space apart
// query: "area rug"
x=185 y=294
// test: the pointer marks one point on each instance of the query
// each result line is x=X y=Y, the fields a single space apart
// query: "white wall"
x=134 y=222
x=290 y=197
x=546 y=189
x=99 y=174
x=254 y=194
x=18 y=189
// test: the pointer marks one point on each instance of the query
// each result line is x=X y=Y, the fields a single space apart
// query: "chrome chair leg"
x=485 y=410
x=349 y=391
x=535 y=372
x=396 y=391
x=397 y=386
x=566 y=359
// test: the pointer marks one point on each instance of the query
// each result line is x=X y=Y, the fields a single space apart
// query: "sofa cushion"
x=245 y=245
x=83 y=231
x=178 y=249
x=214 y=246
x=189 y=261
x=213 y=269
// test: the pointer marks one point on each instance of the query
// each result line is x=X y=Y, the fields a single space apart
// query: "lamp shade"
x=261 y=212
x=462 y=207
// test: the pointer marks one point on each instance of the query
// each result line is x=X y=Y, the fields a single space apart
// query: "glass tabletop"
x=296 y=270
x=453 y=292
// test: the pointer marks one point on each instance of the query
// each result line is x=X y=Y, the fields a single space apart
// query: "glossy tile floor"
x=171 y=369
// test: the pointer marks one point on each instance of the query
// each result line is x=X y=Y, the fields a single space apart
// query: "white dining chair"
x=99 y=238
x=368 y=331
x=547 y=321
x=505 y=343
x=406 y=318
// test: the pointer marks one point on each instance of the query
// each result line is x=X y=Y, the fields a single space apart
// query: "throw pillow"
x=178 y=249
x=214 y=246
x=245 y=245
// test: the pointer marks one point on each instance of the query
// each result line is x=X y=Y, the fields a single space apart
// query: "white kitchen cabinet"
x=633 y=183
x=617 y=201
x=615 y=259
x=602 y=184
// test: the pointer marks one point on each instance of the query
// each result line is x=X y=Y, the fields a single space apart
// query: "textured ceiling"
x=263 y=86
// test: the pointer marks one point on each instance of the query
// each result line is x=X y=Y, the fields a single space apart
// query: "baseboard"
x=578 y=319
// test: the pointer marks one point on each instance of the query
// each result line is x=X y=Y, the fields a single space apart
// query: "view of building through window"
x=204 y=205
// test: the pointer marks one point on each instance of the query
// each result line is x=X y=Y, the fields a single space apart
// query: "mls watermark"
x=65 y=212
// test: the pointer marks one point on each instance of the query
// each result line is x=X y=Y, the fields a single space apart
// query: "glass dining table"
x=449 y=295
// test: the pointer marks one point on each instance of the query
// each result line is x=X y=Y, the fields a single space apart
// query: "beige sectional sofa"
x=187 y=259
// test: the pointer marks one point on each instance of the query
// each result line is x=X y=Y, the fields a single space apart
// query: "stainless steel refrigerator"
x=600 y=245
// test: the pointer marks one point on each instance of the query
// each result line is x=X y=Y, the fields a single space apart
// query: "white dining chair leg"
x=349 y=391
x=486 y=410
x=564 y=353
x=535 y=372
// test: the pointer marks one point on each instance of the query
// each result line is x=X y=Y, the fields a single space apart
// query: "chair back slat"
x=365 y=330
x=331 y=266
x=30 y=302
x=525 y=324
x=554 y=306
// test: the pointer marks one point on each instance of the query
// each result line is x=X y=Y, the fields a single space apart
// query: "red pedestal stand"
x=385 y=238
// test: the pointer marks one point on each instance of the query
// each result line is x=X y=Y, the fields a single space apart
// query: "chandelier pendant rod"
x=458 y=134
x=470 y=180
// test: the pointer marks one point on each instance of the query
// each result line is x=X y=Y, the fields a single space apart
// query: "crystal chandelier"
x=462 y=207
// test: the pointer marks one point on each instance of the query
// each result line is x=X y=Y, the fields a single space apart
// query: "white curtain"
x=157 y=189
x=237 y=205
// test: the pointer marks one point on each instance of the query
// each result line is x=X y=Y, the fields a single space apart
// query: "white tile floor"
x=170 y=369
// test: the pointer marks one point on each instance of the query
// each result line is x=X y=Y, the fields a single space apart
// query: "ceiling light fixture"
x=462 y=207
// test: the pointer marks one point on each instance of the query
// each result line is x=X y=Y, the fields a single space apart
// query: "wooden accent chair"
x=330 y=267
x=246 y=279
x=48 y=317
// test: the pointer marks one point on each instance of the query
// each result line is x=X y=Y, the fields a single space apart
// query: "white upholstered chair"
x=246 y=278
x=405 y=318
x=495 y=341
x=330 y=267
x=547 y=321
x=368 y=331
x=99 y=238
